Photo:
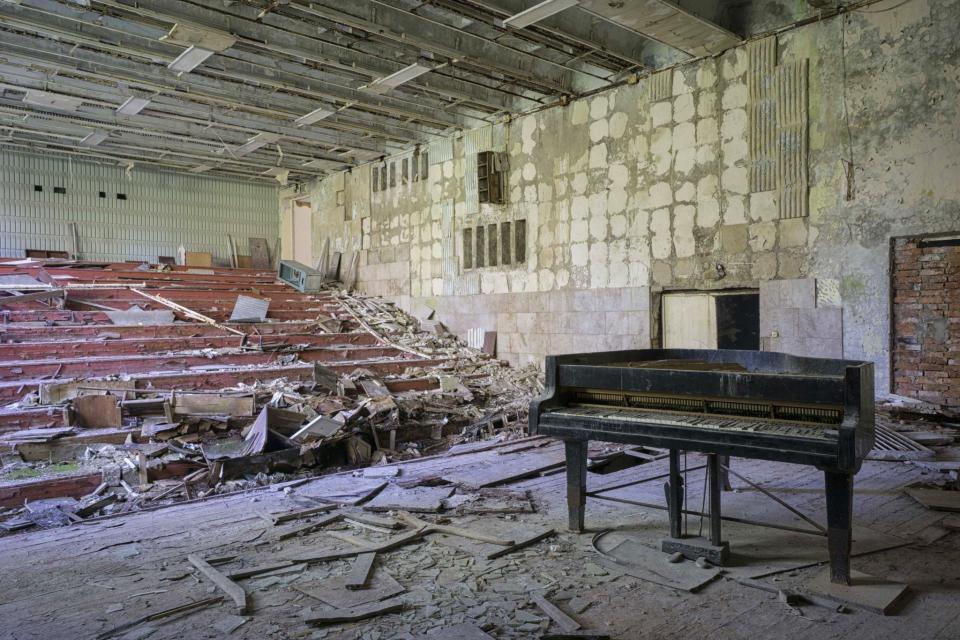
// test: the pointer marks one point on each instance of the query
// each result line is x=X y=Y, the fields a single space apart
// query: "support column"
x=674 y=490
x=713 y=472
x=576 y=483
x=839 y=488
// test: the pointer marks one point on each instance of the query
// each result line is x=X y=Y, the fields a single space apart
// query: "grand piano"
x=749 y=404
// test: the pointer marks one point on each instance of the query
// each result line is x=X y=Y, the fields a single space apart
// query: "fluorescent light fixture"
x=313 y=116
x=323 y=164
x=254 y=143
x=201 y=168
x=189 y=60
x=395 y=79
x=51 y=100
x=93 y=139
x=196 y=36
x=538 y=12
x=133 y=106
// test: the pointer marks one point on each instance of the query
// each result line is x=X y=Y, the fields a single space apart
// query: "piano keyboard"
x=785 y=429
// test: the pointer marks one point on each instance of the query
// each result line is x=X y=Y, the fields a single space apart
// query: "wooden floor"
x=83 y=581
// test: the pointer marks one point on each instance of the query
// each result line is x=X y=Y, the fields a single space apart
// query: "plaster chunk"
x=707 y=74
x=616 y=200
x=736 y=210
x=562 y=233
x=734 y=151
x=546 y=278
x=599 y=129
x=683 y=108
x=448 y=169
x=562 y=278
x=708 y=132
x=683 y=240
x=598 y=228
x=685 y=160
x=618 y=225
x=661 y=244
x=733 y=125
x=598 y=204
x=579 y=207
x=684 y=136
x=661 y=195
x=764 y=266
x=579 y=231
x=706 y=155
x=515 y=194
x=579 y=112
x=793 y=233
x=598 y=156
x=706 y=104
x=661 y=113
x=619 y=175
x=579 y=254
x=708 y=213
x=639 y=273
x=598 y=107
x=528 y=130
x=763 y=236
x=661 y=140
x=734 y=63
x=530 y=193
x=579 y=183
x=618 y=125
x=544 y=192
x=735 y=180
x=681 y=81
x=764 y=206
x=529 y=171
x=735 y=97
x=686 y=193
x=708 y=187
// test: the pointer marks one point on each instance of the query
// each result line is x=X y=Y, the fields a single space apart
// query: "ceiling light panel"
x=538 y=12
x=194 y=36
x=254 y=143
x=133 y=106
x=93 y=139
x=190 y=59
x=382 y=85
x=51 y=100
x=313 y=116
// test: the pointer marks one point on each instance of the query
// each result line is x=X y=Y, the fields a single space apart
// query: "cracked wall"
x=647 y=187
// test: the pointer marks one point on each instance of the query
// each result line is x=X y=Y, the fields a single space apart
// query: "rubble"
x=311 y=383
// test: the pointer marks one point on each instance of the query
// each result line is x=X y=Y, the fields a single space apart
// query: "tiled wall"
x=795 y=319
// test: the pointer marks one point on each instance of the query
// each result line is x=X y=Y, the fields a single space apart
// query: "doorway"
x=712 y=320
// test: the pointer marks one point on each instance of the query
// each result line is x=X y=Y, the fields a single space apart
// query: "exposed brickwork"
x=926 y=313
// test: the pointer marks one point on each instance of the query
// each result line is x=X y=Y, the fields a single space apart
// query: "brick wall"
x=926 y=315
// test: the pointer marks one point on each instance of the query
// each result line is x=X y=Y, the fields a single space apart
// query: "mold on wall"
x=647 y=187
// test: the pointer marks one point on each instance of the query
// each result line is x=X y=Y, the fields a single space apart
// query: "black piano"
x=750 y=404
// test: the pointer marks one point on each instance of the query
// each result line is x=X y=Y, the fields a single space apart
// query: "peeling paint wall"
x=647 y=187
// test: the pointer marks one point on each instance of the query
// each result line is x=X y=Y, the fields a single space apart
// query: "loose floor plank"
x=228 y=586
x=356 y=614
x=361 y=571
x=566 y=623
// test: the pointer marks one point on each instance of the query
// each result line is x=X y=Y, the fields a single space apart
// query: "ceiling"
x=291 y=89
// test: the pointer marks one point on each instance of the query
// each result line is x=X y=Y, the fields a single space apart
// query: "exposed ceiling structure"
x=290 y=88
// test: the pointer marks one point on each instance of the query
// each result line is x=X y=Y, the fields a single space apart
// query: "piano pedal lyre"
x=714 y=548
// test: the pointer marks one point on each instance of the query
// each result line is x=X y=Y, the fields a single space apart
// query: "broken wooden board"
x=651 y=565
x=509 y=469
x=228 y=586
x=493 y=500
x=317 y=429
x=342 y=490
x=259 y=253
x=57 y=392
x=334 y=591
x=937 y=499
x=198 y=259
x=45 y=434
x=415 y=499
x=361 y=572
x=138 y=318
x=95 y=411
x=464 y=631
x=211 y=404
x=864 y=591
x=523 y=536
x=565 y=622
x=356 y=614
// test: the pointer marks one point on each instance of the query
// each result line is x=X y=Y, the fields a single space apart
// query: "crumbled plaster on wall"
x=618 y=191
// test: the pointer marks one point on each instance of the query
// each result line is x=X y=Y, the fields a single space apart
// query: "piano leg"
x=675 y=495
x=725 y=473
x=576 y=483
x=839 y=524
x=713 y=470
